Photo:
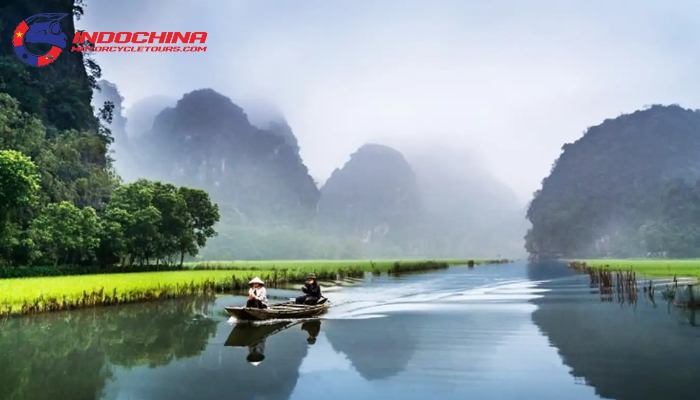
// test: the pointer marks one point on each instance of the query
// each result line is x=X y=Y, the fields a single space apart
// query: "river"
x=491 y=332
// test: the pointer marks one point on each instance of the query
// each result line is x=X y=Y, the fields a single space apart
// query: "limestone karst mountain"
x=374 y=196
x=207 y=141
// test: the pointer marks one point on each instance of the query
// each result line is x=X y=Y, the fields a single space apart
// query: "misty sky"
x=509 y=80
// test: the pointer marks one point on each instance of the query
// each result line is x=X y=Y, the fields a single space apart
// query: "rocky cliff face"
x=608 y=183
x=265 y=115
x=207 y=141
x=374 y=196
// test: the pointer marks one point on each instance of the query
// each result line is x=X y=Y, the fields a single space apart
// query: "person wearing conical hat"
x=257 y=295
x=312 y=291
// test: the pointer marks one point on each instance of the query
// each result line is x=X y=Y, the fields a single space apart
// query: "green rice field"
x=29 y=295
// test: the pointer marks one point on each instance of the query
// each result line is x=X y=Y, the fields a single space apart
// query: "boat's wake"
x=443 y=293
x=368 y=302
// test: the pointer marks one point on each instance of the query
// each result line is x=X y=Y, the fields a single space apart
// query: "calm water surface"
x=500 y=332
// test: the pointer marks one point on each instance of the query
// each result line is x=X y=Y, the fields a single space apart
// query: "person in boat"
x=312 y=291
x=257 y=295
x=313 y=328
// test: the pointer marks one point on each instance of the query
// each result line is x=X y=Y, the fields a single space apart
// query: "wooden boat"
x=288 y=310
x=244 y=335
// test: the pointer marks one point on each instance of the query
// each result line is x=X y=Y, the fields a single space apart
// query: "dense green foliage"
x=61 y=201
x=675 y=232
x=60 y=94
x=611 y=192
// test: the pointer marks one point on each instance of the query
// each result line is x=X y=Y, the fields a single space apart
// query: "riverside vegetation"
x=622 y=274
x=47 y=294
x=648 y=267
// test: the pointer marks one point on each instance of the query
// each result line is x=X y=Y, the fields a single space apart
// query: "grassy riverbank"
x=647 y=267
x=316 y=265
x=45 y=294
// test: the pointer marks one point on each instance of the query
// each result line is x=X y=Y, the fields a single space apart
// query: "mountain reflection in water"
x=626 y=351
x=485 y=333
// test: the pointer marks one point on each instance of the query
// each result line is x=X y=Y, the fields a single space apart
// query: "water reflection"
x=378 y=348
x=256 y=353
x=73 y=355
x=642 y=352
x=689 y=316
x=313 y=328
x=253 y=336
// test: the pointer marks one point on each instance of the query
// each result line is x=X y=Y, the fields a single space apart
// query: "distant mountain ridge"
x=249 y=162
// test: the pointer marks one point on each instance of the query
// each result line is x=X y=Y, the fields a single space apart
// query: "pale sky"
x=512 y=80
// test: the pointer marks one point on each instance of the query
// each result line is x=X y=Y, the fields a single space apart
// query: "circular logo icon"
x=40 y=29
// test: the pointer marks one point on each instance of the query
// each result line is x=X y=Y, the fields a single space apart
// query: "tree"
x=66 y=234
x=19 y=183
x=203 y=215
x=19 y=130
x=131 y=208
x=174 y=228
x=158 y=221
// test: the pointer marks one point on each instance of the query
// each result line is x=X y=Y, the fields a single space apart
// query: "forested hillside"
x=61 y=202
x=675 y=230
x=618 y=190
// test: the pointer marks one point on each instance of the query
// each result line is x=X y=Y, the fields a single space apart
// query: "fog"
x=511 y=80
